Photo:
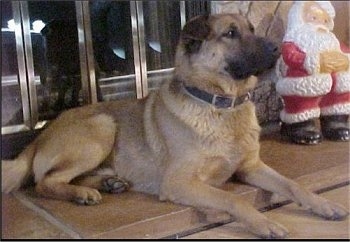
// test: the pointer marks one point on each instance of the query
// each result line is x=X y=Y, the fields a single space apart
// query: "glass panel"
x=54 y=36
x=197 y=7
x=11 y=100
x=113 y=48
x=162 y=31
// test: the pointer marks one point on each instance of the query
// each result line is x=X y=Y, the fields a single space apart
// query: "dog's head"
x=224 y=45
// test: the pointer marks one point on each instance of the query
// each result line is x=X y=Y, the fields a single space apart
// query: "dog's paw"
x=87 y=196
x=269 y=230
x=329 y=210
x=114 y=184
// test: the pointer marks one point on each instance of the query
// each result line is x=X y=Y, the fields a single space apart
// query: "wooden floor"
x=322 y=168
x=301 y=224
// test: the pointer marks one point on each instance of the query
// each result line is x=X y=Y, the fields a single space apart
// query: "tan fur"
x=168 y=144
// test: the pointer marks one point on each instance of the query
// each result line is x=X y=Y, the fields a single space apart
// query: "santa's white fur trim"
x=307 y=86
x=312 y=63
x=342 y=82
x=336 y=109
x=299 y=117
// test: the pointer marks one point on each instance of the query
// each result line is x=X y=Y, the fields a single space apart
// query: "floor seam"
x=263 y=209
x=46 y=215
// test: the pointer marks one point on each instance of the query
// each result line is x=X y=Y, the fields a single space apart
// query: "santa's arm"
x=295 y=58
x=292 y=55
x=298 y=80
x=336 y=60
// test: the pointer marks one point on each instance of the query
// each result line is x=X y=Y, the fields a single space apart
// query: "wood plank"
x=19 y=222
x=301 y=223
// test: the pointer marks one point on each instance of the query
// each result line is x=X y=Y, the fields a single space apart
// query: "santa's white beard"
x=311 y=38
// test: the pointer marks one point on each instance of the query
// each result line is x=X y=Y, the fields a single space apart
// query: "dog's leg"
x=104 y=183
x=265 y=177
x=198 y=194
x=56 y=185
x=94 y=141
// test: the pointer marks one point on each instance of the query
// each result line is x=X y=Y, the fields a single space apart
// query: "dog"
x=181 y=142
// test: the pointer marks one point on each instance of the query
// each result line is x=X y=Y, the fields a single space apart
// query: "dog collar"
x=217 y=100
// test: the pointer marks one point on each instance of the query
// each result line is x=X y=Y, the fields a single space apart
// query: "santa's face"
x=314 y=14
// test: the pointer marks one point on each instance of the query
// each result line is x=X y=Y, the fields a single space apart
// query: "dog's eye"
x=233 y=33
x=251 y=28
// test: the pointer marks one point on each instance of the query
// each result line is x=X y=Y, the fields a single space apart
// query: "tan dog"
x=181 y=142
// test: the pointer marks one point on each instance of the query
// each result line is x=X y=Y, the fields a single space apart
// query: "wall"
x=270 y=19
x=342 y=22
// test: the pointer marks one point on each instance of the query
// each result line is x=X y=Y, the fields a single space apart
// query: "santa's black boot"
x=305 y=133
x=335 y=127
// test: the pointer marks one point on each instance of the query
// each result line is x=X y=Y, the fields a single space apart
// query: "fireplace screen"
x=58 y=55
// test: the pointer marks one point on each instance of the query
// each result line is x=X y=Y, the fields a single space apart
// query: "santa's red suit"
x=307 y=93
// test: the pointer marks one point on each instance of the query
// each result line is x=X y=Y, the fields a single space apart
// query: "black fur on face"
x=194 y=33
x=247 y=54
x=254 y=56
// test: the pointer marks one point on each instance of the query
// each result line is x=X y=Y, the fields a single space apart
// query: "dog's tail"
x=14 y=173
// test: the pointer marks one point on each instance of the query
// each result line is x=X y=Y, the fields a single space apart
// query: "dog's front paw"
x=87 y=196
x=269 y=230
x=329 y=210
x=114 y=184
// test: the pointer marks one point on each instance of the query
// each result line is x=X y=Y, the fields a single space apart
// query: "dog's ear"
x=194 y=32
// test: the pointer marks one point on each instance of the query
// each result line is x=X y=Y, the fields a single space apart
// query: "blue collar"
x=217 y=100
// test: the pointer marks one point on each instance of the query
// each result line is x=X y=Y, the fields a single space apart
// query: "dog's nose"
x=272 y=48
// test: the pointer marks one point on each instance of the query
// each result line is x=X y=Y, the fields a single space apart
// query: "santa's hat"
x=295 y=14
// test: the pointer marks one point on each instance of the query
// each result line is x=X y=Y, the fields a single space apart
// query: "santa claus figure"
x=314 y=78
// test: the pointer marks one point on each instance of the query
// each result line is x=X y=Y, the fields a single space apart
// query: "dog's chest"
x=228 y=132
x=201 y=131
x=214 y=145
x=224 y=145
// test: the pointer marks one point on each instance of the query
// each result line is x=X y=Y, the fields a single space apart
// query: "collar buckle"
x=223 y=102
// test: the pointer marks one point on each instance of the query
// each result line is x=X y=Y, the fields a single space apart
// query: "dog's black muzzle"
x=256 y=56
